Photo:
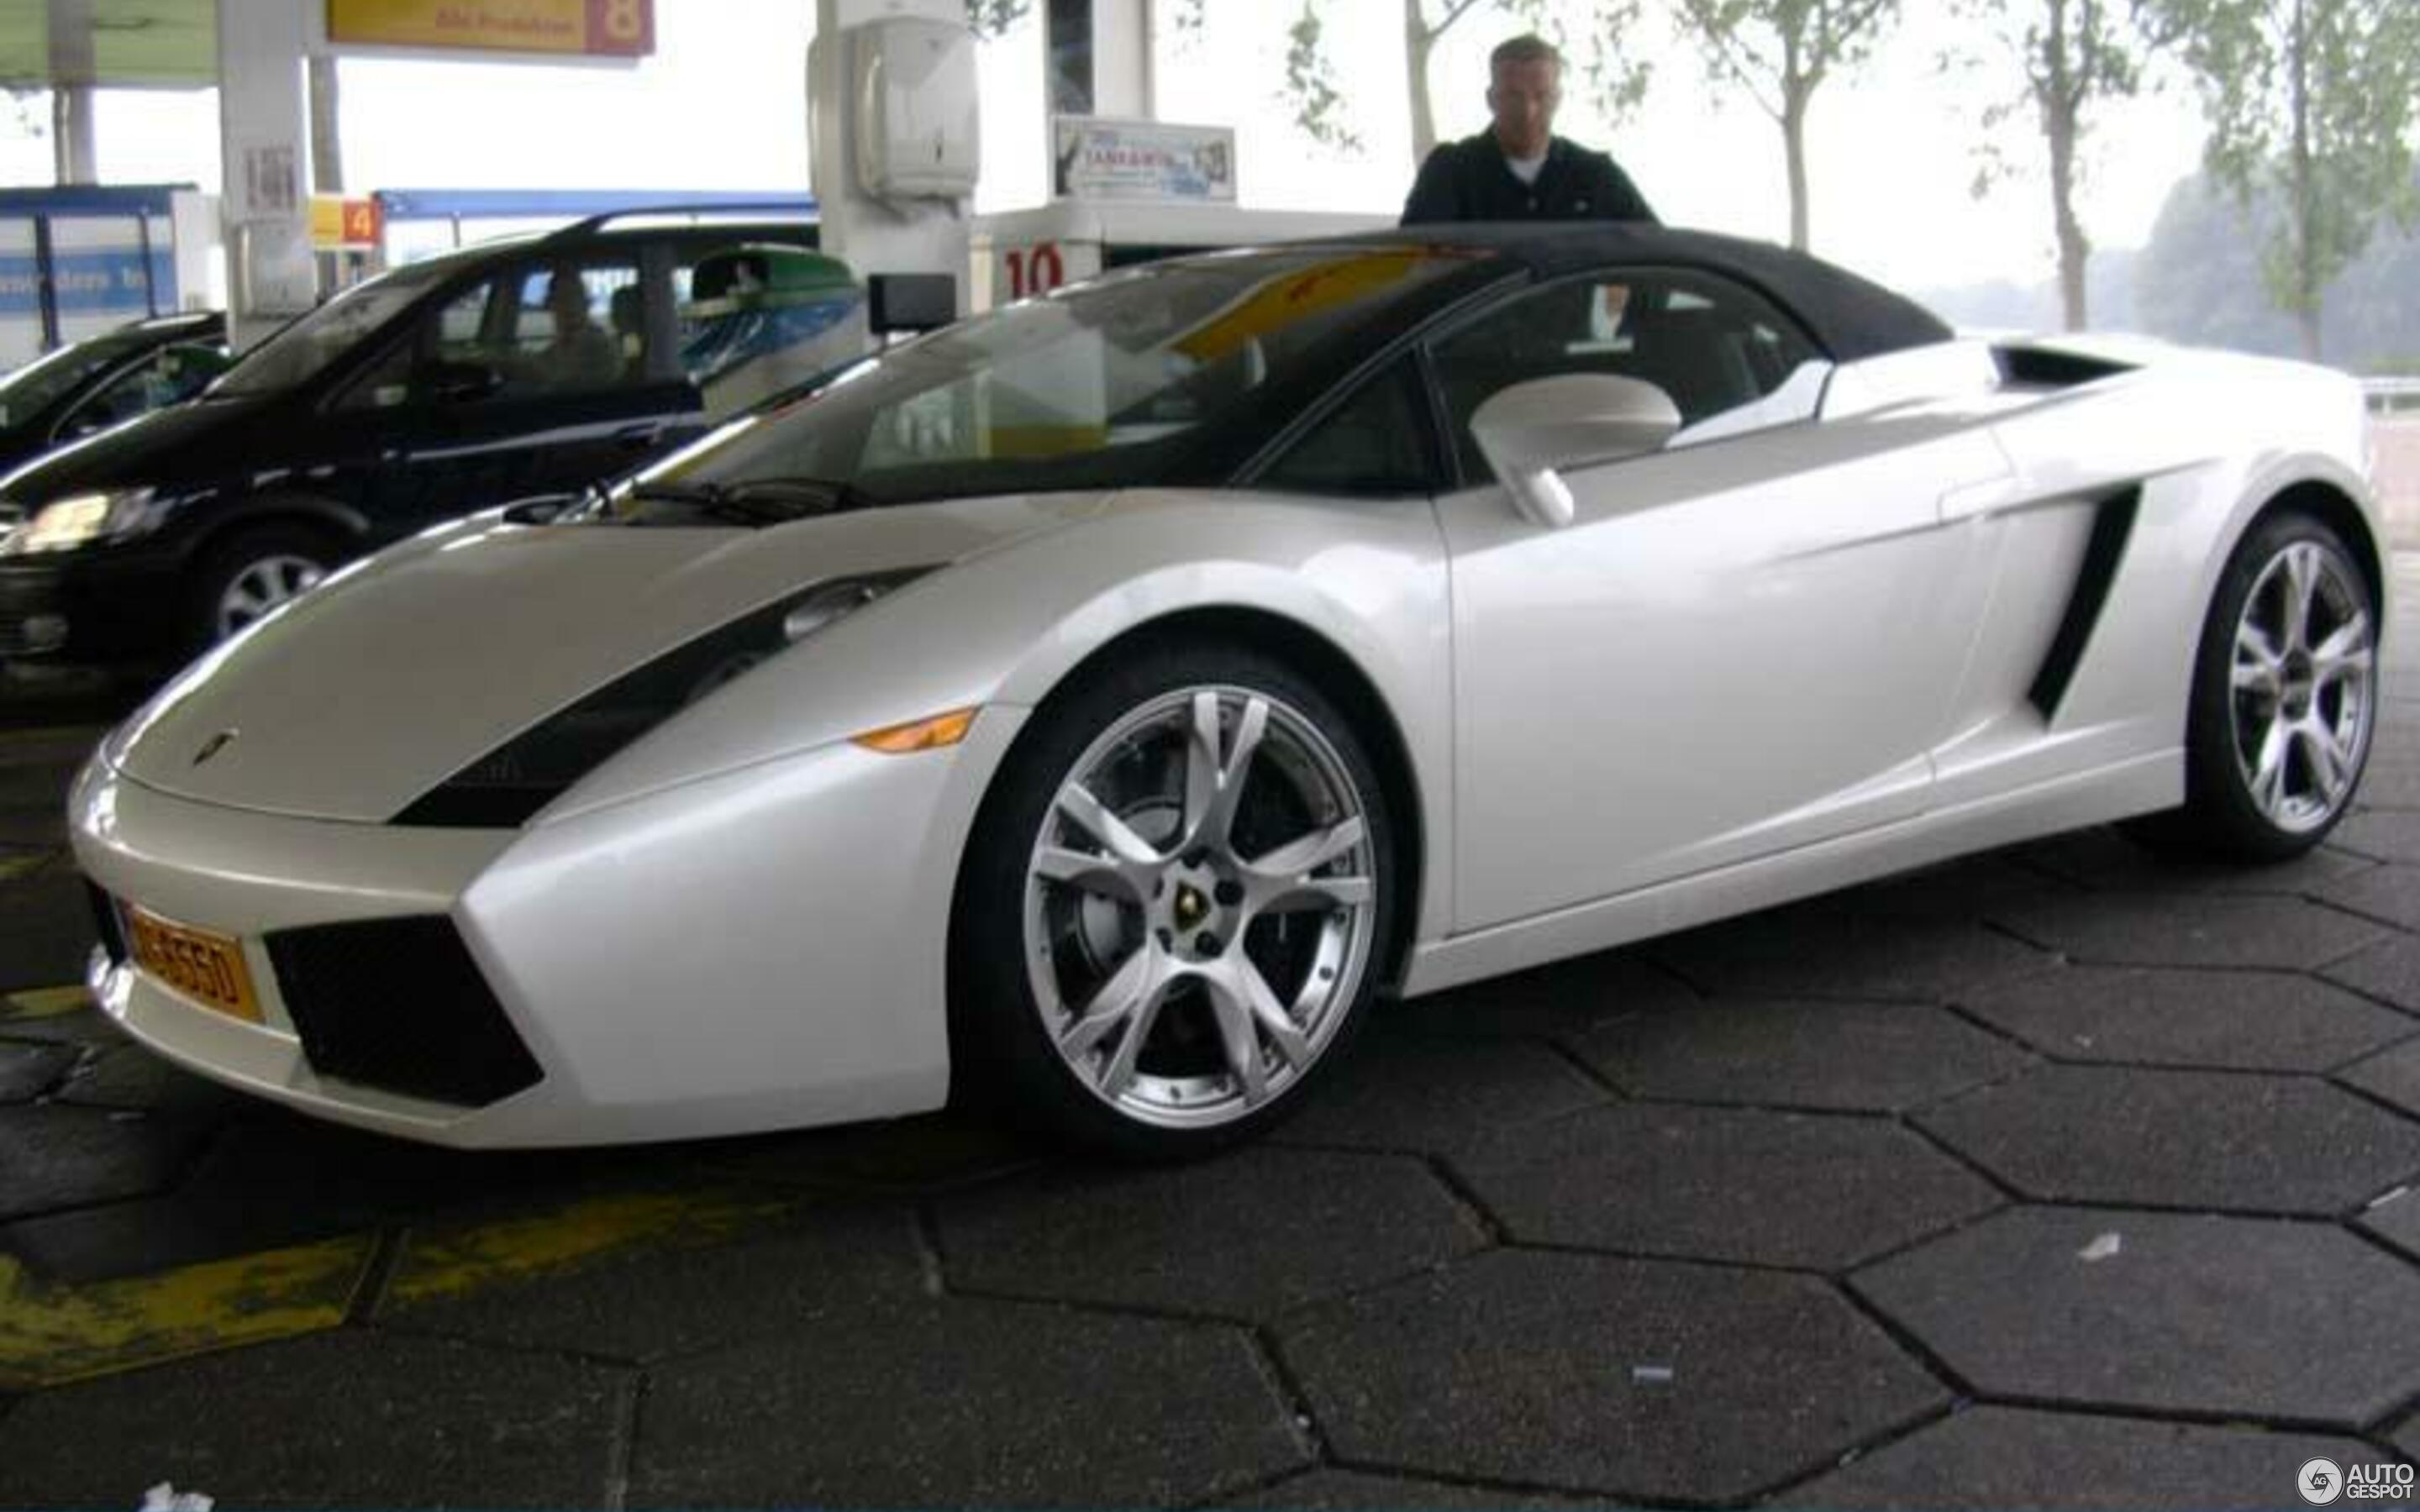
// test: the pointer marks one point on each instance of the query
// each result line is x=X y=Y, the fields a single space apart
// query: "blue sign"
x=93 y=280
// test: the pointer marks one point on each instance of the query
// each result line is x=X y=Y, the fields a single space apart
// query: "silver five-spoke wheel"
x=2305 y=654
x=1177 y=901
x=261 y=585
x=1199 y=905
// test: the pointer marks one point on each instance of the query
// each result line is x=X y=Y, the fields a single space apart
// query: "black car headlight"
x=501 y=789
x=83 y=520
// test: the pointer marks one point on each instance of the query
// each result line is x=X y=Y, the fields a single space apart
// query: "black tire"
x=1188 y=1090
x=254 y=553
x=2228 y=813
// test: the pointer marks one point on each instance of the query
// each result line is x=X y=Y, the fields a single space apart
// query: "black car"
x=498 y=373
x=96 y=383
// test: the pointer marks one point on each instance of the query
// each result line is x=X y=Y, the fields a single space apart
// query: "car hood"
x=405 y=667
x=181 y=444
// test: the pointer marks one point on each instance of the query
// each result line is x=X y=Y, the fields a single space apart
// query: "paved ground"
x=2058 y=1176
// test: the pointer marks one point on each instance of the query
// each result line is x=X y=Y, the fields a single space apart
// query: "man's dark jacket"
x=1469 y=180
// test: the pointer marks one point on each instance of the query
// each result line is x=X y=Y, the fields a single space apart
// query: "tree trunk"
x=1418 y=42
x=2058 y=107
x=1793 y=145
x=2303 y=191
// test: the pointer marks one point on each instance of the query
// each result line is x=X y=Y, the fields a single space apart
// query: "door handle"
x=639 y=437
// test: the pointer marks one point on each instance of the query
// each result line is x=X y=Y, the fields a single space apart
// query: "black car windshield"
x=311 y=342
x=39 y=384
x=1094 y=386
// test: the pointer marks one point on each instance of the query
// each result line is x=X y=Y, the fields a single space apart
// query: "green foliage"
x=1310 y=84
x=990 y=18
x=2199 y=280
x=2310 y=106
x=1781 y=51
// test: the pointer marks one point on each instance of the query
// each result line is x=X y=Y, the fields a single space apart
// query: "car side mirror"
x=461 y=382
x=1532 y=430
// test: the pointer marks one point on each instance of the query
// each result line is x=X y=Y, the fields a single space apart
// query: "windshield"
x=39 y=384
x=311 y=342
x=1094 y=386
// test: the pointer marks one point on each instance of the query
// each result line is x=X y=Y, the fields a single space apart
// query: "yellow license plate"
x=204 y=967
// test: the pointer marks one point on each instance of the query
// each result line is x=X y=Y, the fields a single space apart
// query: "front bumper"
x=762 y=949
x=114 y=605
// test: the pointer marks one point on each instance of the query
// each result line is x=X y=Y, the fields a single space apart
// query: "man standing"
x=1518 y=169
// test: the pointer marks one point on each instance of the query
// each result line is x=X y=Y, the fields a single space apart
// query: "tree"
x=2310 y=102
x=2074 y=53
x=1780 y=52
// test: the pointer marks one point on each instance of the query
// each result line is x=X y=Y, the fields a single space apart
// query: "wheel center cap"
x=1191 y=906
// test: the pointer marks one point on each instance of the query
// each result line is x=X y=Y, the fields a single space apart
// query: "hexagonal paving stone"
x=2237 y=1020
x=2145 y=929
x=2391 y=893
x=1624 y=1377
x=2234 y=1316
x=1809 y=951
x=349 y=1418
x=1402 y=1091
x=650 y=1302
x=1351 y=1491
x=2393 y=1074
x=1564 y=997
x=1248 y=1235
x=28 y=1071
x=2377 y=836
x=2390 y=785
x=1998 y=1456
x=2108 y=861
x=1855 y=1056
x=2390 y=972
x=1723 y=1184
x=2181 y=1139
x=963 y=1403
x=46 y=929
x=2396 y=1220
x=53 y=1156
x=935 y=1153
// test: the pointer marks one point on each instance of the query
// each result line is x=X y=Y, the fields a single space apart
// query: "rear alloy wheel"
x=257 y=572
x=1176 y=909
x=2284 y=695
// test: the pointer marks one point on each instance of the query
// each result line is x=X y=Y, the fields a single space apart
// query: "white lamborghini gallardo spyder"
x=1095 y=704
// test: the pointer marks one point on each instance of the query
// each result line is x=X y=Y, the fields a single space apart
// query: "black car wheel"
x=251 y=573
x=1174 y=904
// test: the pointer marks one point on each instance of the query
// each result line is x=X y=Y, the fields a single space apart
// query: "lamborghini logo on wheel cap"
x=213 y=746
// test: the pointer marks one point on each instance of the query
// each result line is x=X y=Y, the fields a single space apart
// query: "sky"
x=1893 y=147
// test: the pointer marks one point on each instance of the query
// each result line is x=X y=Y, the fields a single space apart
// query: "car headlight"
x=64 y=524
x=504 y=787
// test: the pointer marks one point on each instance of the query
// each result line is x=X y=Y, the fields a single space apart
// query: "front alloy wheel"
x=1198 y=897
x=261 y=585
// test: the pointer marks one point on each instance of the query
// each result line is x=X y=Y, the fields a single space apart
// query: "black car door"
x=522 y=384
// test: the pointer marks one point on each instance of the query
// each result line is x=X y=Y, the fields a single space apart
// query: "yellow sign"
x=338 y=223
x=595 y=28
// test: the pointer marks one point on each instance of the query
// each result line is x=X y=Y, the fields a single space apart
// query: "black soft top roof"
x=1849 y=316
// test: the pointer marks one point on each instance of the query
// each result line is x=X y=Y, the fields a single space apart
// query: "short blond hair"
x=1526 y=48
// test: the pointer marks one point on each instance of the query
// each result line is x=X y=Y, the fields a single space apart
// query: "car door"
x=1744 y=641
x=522 y=384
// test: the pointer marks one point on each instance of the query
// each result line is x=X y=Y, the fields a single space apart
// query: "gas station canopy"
x=133 y=43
